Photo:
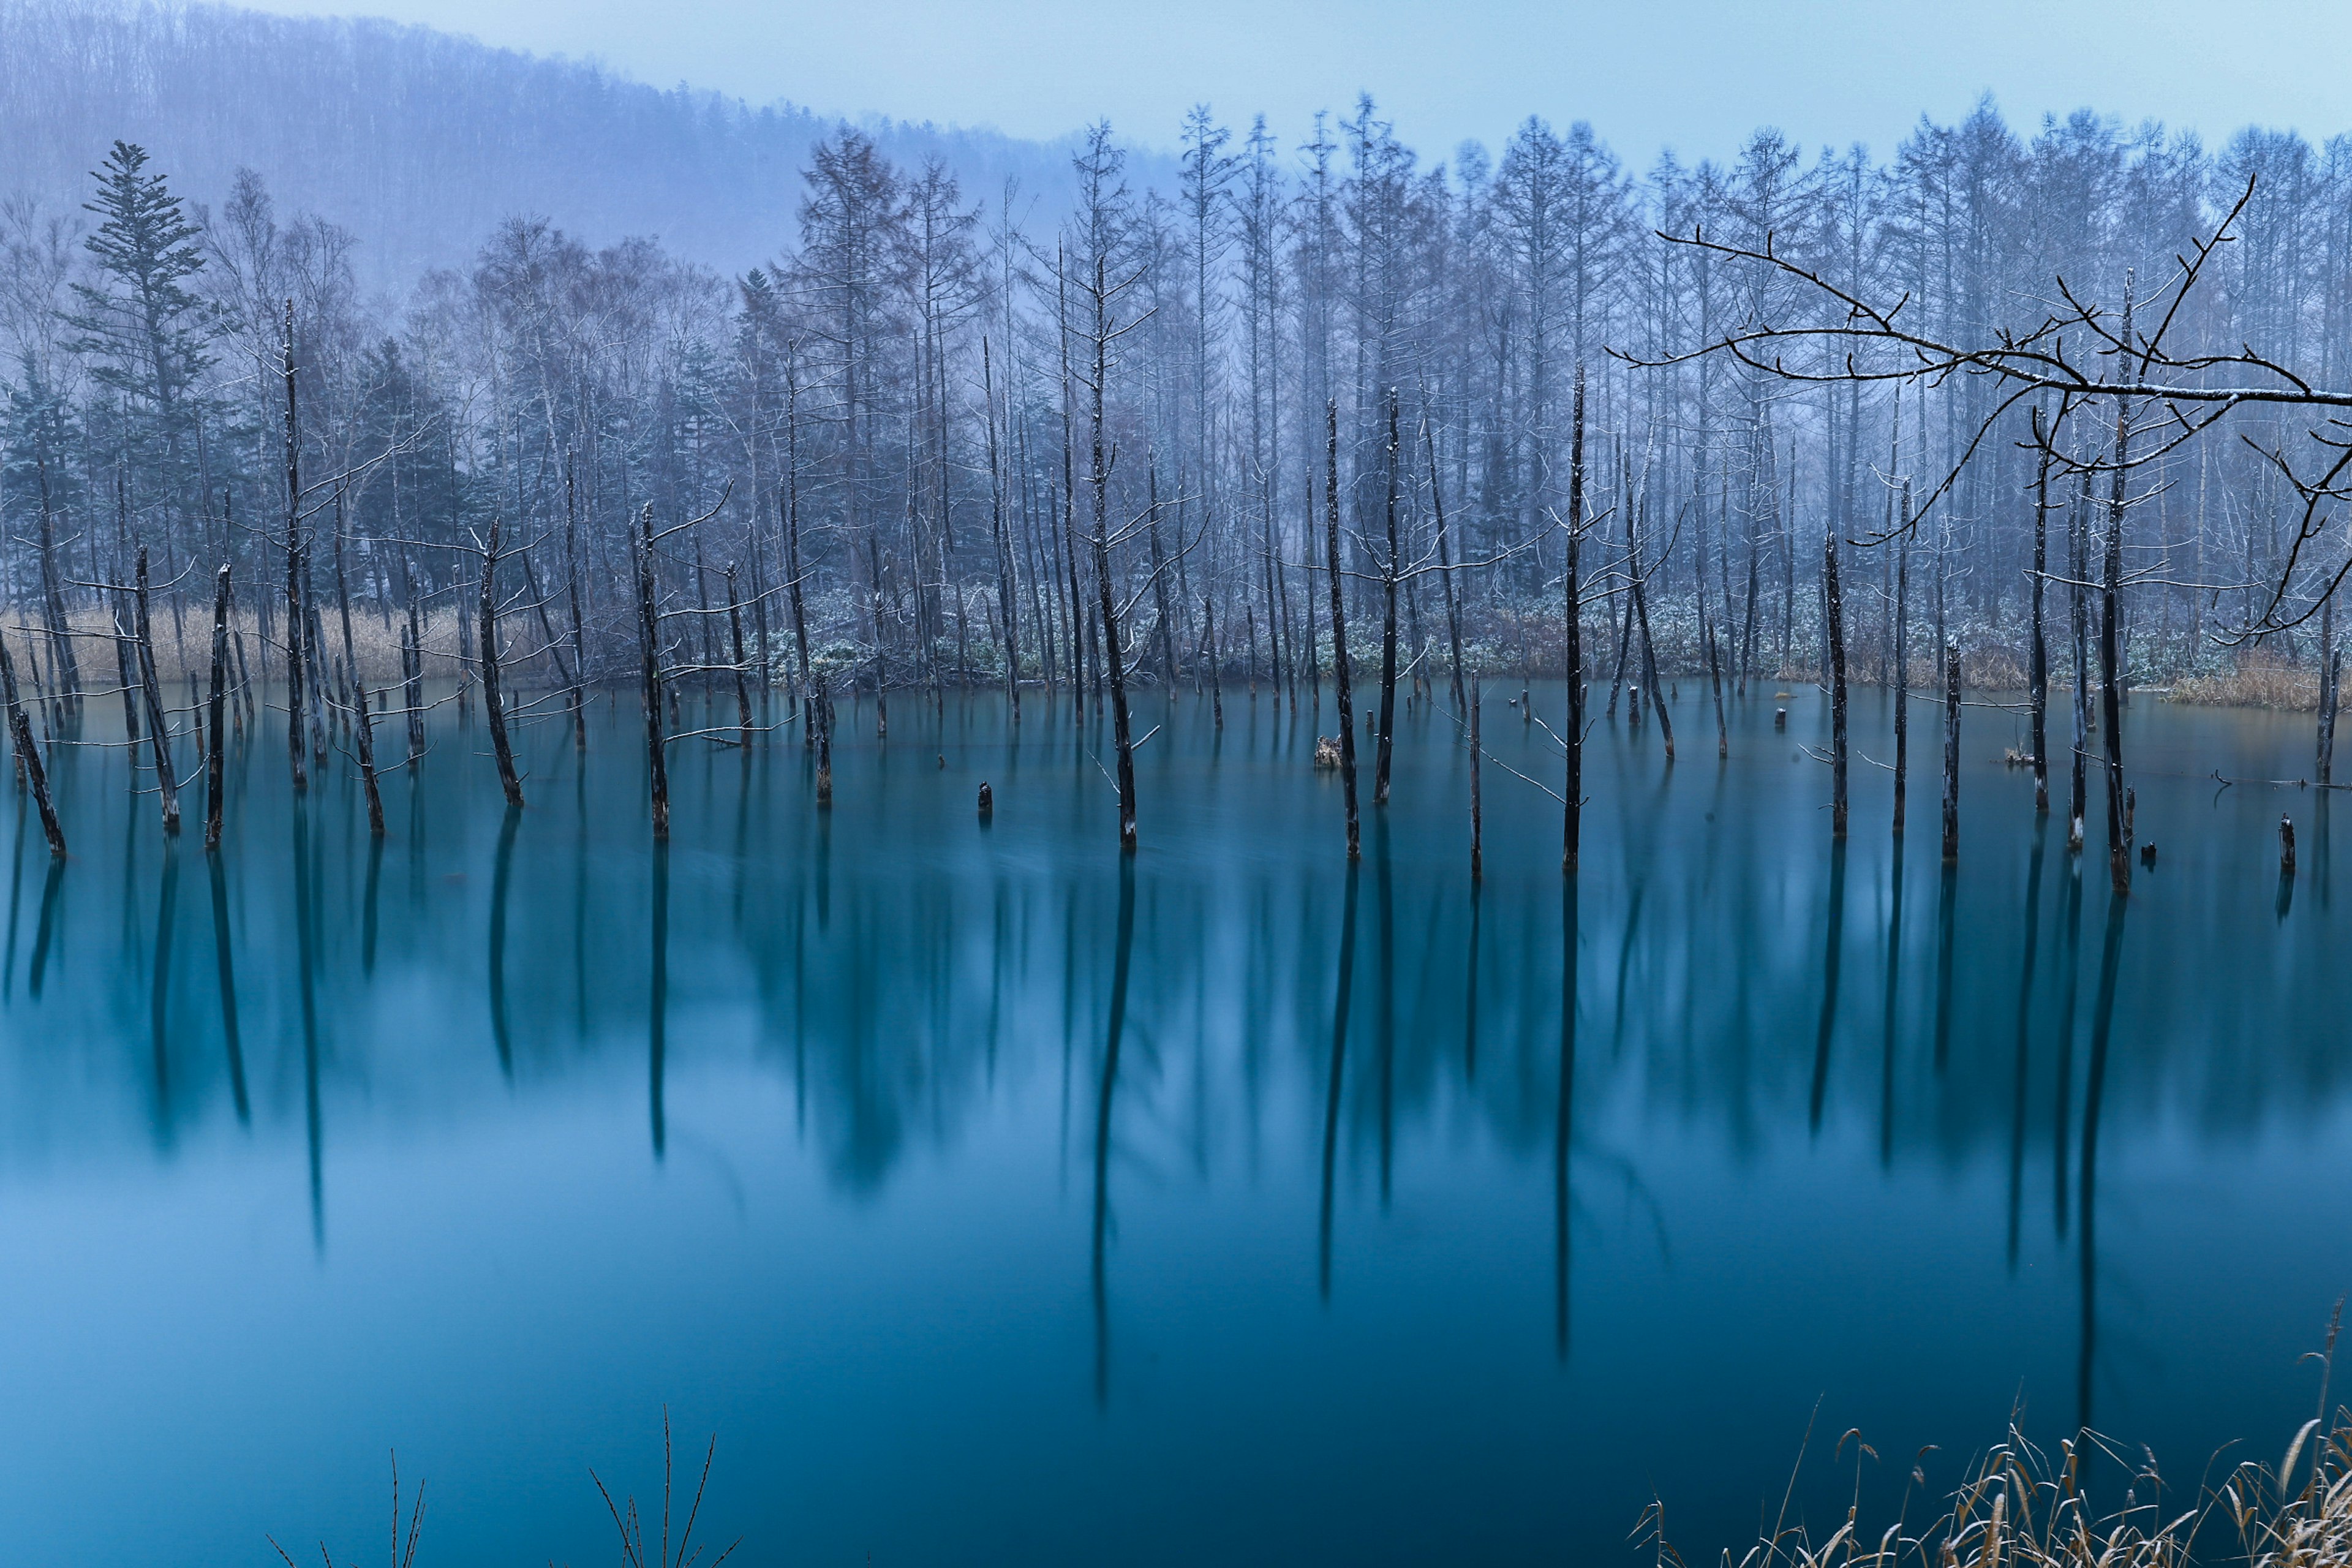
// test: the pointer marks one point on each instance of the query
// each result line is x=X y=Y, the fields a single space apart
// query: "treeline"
x=941 y=441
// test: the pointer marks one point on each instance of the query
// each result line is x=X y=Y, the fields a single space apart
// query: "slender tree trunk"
x=493 y=699
x=1339 y=681
x=1446 y=576
x=649 y=640
x=2110 y=629
x=1391 y=566
x=1477 y=818
x=294 y=628
x=1902 y=671
x=1952 y=754
x=159 y=729
x=214 y=760
x=28 y=755
x=742 y=665
x=1834 y=618
x=1572 y=614
x=2038 y=653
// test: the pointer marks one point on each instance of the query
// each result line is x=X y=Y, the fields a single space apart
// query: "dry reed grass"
x=2256 y=679
x=2024 y=1506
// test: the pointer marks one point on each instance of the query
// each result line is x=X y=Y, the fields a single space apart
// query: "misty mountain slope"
x=421 y=141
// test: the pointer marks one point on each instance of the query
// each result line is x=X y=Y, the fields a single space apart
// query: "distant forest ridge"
x=421 y=143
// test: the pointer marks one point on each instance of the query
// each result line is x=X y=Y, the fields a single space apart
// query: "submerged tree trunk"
x=2330 y=667
x=294 y=624
x=1902 y=672
x=493 y=699
x=1572 y=658
x=1477 y=818
x=159 y=731
x=649 y=640
x=2037 y=674
x=214 y=763
x=1389 y=569
x=1339 y=681
x=1834 y=622
x=2110 y=648
x=742 y=682
x=1952 y=754
x=28 y=754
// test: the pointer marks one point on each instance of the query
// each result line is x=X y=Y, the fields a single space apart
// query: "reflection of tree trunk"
x=1339 y=1074
x=1829 y=979
x=1894 y=975
x=2094 y=1091
x=656 y=1043
x=1121 y=956
x=229 y=1038
x=501 y=881
x=2025 y=1036
x=1562 y=1126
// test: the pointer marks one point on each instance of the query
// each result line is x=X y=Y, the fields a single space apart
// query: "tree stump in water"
x=987 y=801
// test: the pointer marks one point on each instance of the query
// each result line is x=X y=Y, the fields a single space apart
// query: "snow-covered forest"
x=955 y=364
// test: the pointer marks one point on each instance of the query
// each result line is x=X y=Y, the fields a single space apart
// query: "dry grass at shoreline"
x=2255 y=679
x=2024 y=1506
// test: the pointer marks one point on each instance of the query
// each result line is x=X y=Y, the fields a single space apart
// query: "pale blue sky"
x=1696 y=74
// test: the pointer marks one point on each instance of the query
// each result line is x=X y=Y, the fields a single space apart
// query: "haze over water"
x=994 y=1200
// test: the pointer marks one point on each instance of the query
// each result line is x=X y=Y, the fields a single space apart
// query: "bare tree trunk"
x=1952 y=754
x=1477 y=818
x=1209 y=644
x=1834 y=617
x=159 y=731
x=742 y=688
x=1008 y=601
x=1390 y=567
x=2330 y=667
x=1445 y=572
x=1903 y=663
x=2110 y=651
x=28 y=754
x=2038 y=654
x=823 y=724
x=214 y=762
x=648 y=638
x=493 y=701
x=1572 y=606
x=1339 y=681
x=1649 y=669
x=294 y=630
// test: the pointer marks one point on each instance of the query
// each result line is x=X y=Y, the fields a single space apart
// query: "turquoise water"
x=993 y=1199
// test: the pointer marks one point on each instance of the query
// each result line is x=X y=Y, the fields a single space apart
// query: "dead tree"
x=743 y=684
x=649 y=645
x=215 y=766
x=1572 y=796
x=294 y=618
x=28 y=755
x=1951 y=753
x=1339 y=625
x=159 y=729
x=1833 y=632
x=494 y=709
x=1902 y=661
x=1390 y=570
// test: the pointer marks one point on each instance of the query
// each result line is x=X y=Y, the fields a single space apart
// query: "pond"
x=993 y=1198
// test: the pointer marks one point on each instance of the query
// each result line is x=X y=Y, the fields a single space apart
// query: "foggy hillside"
x=421 y=143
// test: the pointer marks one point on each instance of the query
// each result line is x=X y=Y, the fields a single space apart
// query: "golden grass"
x=2023 y=1506
x=2256 y=679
